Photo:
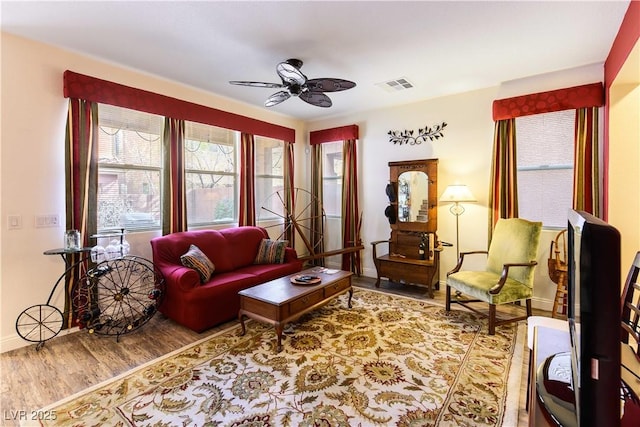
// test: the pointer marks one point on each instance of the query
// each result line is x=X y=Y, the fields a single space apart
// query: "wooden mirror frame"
x=430 y=168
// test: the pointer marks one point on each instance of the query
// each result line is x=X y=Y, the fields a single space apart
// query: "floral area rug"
x=389 y=360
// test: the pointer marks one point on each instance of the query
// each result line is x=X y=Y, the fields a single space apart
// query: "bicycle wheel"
x=119 y=296
x=39 y=323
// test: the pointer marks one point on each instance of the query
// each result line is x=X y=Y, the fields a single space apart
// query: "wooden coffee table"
x=279 y=301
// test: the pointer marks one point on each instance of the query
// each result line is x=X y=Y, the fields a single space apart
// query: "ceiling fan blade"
x=290 y=74
x=318 y=99
x=257 y=84
x=277 y=98
x=329 y=85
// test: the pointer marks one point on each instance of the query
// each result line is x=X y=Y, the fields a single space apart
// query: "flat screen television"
x=594 y=274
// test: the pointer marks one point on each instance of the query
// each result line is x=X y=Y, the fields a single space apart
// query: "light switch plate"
x=14 y=222
x=47 y=220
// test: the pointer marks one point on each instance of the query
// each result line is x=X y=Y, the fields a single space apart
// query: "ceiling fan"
x=296 y=84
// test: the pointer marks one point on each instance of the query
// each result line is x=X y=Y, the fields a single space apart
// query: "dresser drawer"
x=337 y=287
x=298 y=305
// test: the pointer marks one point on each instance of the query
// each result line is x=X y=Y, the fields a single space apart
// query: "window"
x=210 y=174
x=332 y=178
x=269 y=175
x=545 y=144
x=129 y=169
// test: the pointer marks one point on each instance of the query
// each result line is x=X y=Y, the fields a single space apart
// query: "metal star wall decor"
x=406 y=136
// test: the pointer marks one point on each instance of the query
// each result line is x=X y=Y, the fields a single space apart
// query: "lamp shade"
x=457 y=193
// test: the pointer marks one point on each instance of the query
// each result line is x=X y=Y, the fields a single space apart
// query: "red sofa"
x=200 y=306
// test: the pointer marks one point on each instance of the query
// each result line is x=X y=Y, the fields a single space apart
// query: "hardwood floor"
x=70 y=363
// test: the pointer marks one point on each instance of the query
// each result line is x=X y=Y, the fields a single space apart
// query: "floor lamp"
x=456 y=194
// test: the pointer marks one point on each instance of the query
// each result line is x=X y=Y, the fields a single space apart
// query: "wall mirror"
x=413 y=197
x=415 y=184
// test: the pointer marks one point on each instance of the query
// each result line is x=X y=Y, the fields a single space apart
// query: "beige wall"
x=624 y=157
x=32 y=164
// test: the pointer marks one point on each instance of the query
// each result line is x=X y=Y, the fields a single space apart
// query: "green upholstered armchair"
x=508 y=276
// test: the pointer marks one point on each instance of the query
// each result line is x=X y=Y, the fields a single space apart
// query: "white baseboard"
x=542 y=304
x=14 y=341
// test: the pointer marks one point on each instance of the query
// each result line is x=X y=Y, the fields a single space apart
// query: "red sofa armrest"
x=290 y=254
x=179 y=277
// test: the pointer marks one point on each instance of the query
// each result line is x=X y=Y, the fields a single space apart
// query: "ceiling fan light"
x=290 y=74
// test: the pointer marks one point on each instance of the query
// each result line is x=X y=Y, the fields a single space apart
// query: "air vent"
x=401 y=83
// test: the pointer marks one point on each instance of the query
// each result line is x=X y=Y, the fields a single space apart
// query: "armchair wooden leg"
x=448 y=298
x=528 y=303
x=492 y=319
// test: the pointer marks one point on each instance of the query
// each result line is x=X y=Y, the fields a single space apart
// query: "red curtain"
x=350 y=211
x=247 y=215
x=289 y=232
x=317 y=212
x=586 y=170
x=503 y=191
x=81 y=170
x=174 y=213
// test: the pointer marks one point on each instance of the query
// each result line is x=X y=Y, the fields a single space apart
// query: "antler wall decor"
x=406 y=136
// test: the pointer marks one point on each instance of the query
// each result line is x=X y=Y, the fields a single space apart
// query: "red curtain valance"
x=334 y=134
x=96 y=90
x=572 y=98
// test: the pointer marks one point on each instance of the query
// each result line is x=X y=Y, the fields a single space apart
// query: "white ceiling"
x=441 y=47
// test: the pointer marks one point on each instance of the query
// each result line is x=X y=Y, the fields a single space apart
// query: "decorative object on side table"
x=422 y=246
x=305 y=279
x=72 y=240
x=117 y=246
x=406 y=136
x=457 y=194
